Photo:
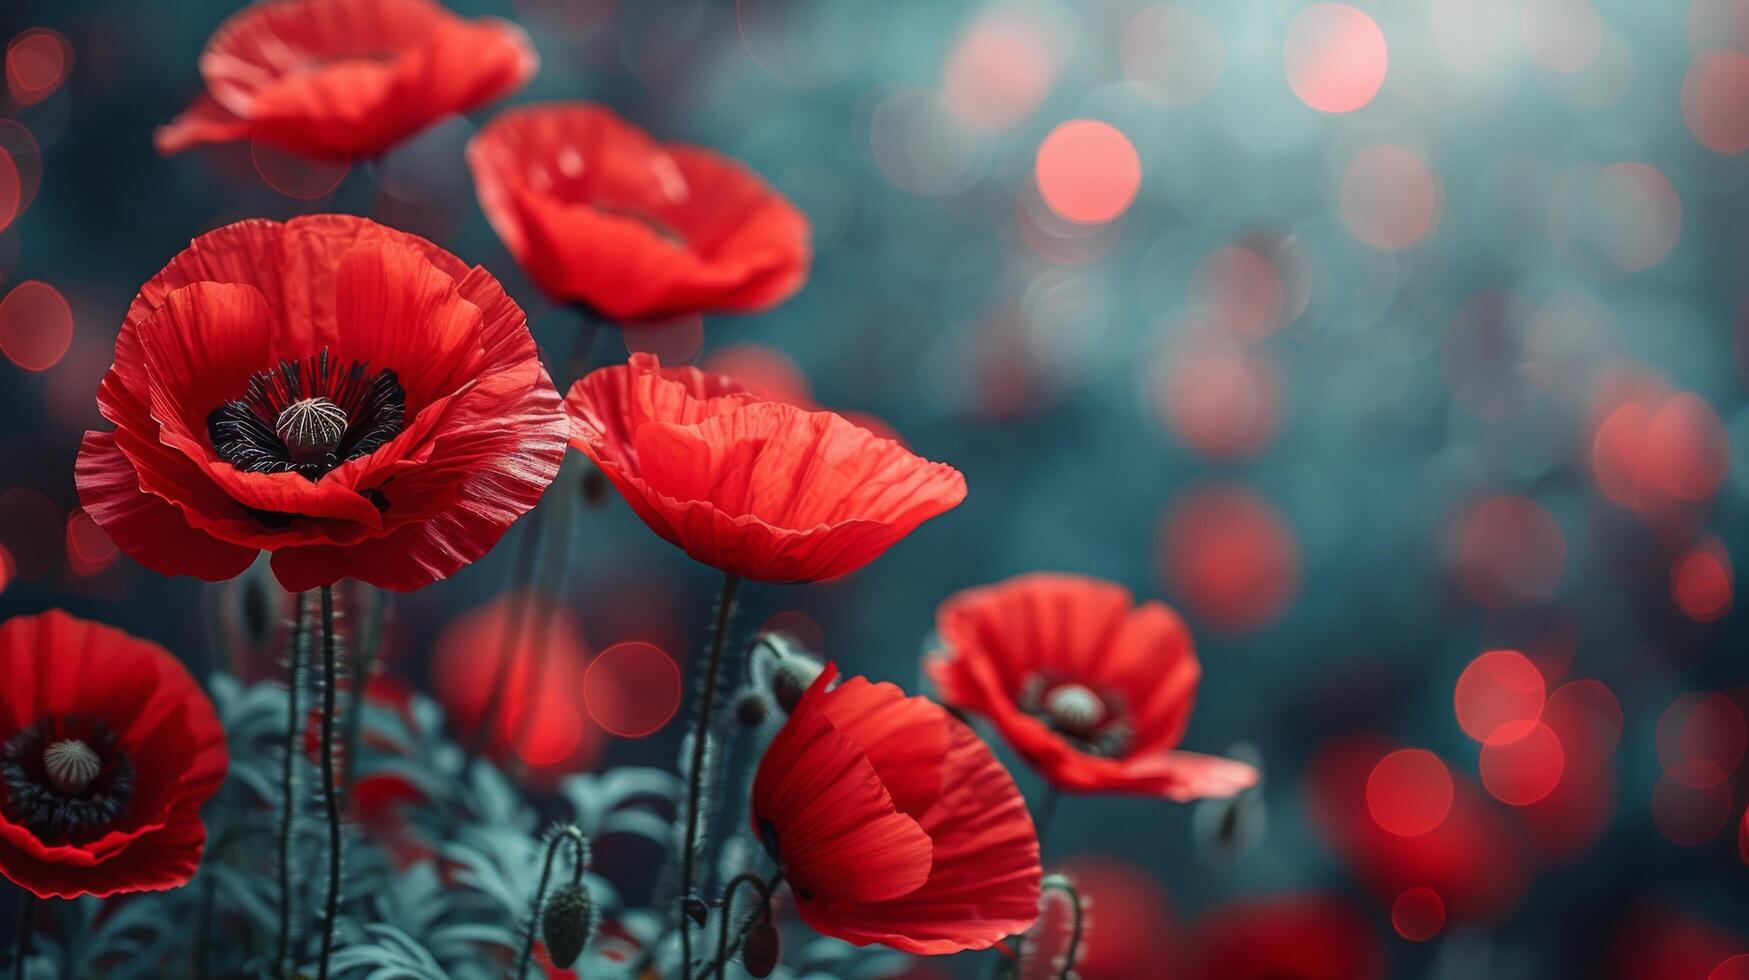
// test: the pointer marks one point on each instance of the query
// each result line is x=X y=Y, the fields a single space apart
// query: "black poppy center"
x=308 y=416
x=66 y=779
x=1090 y=721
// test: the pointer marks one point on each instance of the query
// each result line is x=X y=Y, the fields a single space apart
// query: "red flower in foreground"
x=894 y=823
x=347 y=78
x=1094 y=691
x=760 y=489
x=107 y=751
x=349 y=397
x=599 y=213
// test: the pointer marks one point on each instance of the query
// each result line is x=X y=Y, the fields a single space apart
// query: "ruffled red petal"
x=760 y=489
x=59 y=665
x=598 y=212
x=484 y=433
x=144 y=524
x=1080 y=629
x=347 y=79
x=983 y=871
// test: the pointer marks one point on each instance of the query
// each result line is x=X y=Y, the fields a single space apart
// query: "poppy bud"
x=566 y=923
x=759 y=949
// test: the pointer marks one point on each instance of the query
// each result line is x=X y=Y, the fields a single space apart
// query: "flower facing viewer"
x=759 y=489
x=1092 y=690
x=108 y=748
x=894 y=823
x=349 y=397
x=599 y=213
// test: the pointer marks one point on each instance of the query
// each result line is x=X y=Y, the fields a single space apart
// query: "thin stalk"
x=579 y=861
x=758 y=883
x=695 y=773
x=26 y=929
x=288 y=778
x=1073 y=950
x=364 y=652
x=723 y=955
x=330 y=791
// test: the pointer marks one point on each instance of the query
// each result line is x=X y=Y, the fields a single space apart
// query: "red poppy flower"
x=349 y=397
x=894 y=823
x=108 y=748
x=760 y=489
x=599 y=213
x=347 y=78
x=1091 y=689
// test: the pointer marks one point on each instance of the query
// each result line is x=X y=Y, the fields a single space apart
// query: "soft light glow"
x=294 y=176
x=1238 y=288
x=1230 y=557
x=1498 y=688
x=36 y=325
x=632 y=689
x=1715 y=101
x=1512 y=551
x=1221 y=403
x=1701 y=739
x=89 y=549
x=1701 y=583
x=1688 y=451
x=1587 y=718
x=1409 y=792
x=1001 y=69
x=1735 y=968
x=1563 y=35
x=1634 y=216
x=11 y=190
x=1418 y=914
x=1390 y=200
x=1335 y=57
x=1689 y=816
x=1522 y=762
x=37 y=62
x=1174 y=54
x=1087 y=171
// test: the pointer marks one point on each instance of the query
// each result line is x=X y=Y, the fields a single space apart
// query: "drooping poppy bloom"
x=894 y=823
x=108 y=748
x=344 y=79
x=760 y=489
x=1092 y=690
x=599 y=213
x=349 y=397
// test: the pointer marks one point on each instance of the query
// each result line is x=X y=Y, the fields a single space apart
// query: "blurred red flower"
x=1092 y=690
x=759 y=489
x=599 y=213
x=108 y=748
x=349 y=397
x=894 y=823
x=1306 y=937
x=343 y=79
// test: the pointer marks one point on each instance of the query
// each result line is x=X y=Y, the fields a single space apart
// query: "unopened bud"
x=566 y=923
x=759 y=950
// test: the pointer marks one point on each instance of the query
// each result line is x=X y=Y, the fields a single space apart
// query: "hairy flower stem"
x=695 y=773
x=1072 y=951
x=579 y=863
x=330 y=791
x=26 y=928
x=723 y=951
x=368 y=639
x=288 y=778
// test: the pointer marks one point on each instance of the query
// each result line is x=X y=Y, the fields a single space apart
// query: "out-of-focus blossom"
x=894 y=823
x=759 y=489
x=351 y=398
x=108 y=748
x=599 y=213
x=346 y=79
x=1091 y=689
x=1306 y=937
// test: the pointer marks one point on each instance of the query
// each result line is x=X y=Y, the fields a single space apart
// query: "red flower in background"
x=108 y=748
x=1092 y=690
x=759 y=489
x=894 y=824
x=349 y=397
x=346 y=78
x=598 y=213
x=1303 y=937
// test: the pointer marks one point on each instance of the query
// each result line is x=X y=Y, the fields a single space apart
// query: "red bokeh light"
x=89 y=549
x=1687 y=451
x=11 y=189
x=632 y=689
x=1409 y=792
x=295 y=176
x=1497 y=688
x=764 y=370
x=1715 y=101
x=1572 y=818
x=1634 y=215
x=1686 y=815
x=1511 y=551
x=1522 y=762
x=1230 y=557
x=36 y=325
x=37 y=62
x=1001 y=69
x=1335 y=57
x=1701 y=739
x=1418 y=914
x=1306 y=937
x=1390 y=199
x=1239 y=289
x=1221 y=403
x=1135 y=924
x=1087 y=171
x=1735 y=968
x=1587 y=718
x=1701 y=581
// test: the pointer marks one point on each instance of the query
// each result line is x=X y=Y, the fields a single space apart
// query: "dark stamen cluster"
x=31 y=798
x=308 y=417
x=1106 y=732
